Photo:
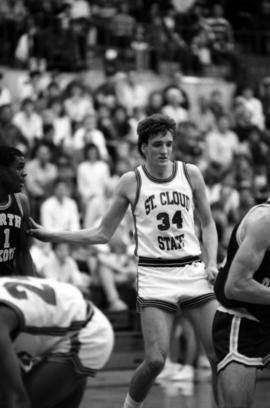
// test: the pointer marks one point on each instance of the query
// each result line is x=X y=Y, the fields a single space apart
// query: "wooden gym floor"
x=108 y=390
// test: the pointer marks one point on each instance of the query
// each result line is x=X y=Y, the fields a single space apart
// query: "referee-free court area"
x=109 y=388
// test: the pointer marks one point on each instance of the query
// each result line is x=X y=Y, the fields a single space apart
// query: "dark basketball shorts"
x=240 y=340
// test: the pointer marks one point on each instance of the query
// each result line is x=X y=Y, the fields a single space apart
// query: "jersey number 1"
x=6 y=242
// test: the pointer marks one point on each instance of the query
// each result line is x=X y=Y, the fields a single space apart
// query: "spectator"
x=60 y=211
x=56 y=116
x=30 y=86
x=244 y=171
x=61 y=267
x=122 y=27
x=155 y=102
x=78 y=103
x=5 y=94
x=80 y=14
x=261 y=185
x=40 y=252
x=246 y=198
x=10 y=134
x=116 y=266
x=41 y=174
x=216 y=103
x=258 y=147
x=265 y=99
x=29 y=122
x=92 y=175
x=254 y=107
x=176 y=81
x=130 y=92
x=204 y=118
x=224 y=197
x=221 y=37
x=201 y=51
x=190 y=145
x=156 y=37
x=241 y=119
x=67 y=172
x=105 y=94
x=105 y=125
x=173 y=105
x=140 y=48
x=177 y=50
x=222 y=143
x=87 y=133
x=121 y=124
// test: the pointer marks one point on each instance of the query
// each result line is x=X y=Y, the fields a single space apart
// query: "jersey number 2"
x=46 y=292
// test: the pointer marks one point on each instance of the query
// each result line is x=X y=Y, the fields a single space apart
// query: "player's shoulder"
x=127 y=186
x=127 y=179
x=192 y=169
x=257 y=221
x=23 y=202
x=195 y=176
x=259 y=214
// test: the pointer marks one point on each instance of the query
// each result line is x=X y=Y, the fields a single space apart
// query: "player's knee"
x=155 y=364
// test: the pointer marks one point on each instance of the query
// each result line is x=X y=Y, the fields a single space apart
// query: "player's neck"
x=4 y=197
x=161 y=172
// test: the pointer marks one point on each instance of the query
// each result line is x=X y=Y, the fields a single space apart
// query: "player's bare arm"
x=124 y=196
x=209 y=232
x=10 y=372
x=24 y=262
x=240 y=283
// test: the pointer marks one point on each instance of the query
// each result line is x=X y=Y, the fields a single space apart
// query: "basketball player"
x=162 y=194
x=241 y=329
x=51 y=340
x=15 y=257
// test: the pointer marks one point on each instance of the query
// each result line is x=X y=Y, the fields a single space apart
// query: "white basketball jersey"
x=164 y=215
x=48 y=312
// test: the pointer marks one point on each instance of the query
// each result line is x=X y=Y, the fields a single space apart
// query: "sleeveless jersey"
x=164 y=217
x=11 y=215
x=48 y=312
x=262 y=275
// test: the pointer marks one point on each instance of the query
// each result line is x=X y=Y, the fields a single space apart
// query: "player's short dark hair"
x=8 y=155
x=153 y=125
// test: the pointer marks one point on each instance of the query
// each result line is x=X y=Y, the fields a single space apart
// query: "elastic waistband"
x=164 y=263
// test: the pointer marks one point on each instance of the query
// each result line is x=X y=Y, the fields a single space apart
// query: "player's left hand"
x=212 y=272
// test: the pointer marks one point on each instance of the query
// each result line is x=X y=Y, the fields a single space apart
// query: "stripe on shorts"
x=164 y=263
x=197 y=301
x=160 y=304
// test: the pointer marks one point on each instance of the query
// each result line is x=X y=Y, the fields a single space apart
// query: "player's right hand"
x=36 y=230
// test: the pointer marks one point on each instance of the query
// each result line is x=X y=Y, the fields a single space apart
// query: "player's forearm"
x=242 y=286
x=84 y=237
x=249 y=291
x=210 y=244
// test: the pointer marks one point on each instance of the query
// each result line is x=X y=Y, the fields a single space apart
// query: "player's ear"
x=143 y=149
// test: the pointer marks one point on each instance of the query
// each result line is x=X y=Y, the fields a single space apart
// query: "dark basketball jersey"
x=11 y=215
x=262 y=275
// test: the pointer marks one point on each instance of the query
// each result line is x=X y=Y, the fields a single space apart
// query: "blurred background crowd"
x=79 y=136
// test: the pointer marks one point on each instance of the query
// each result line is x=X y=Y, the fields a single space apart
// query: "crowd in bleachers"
x=140 y=33
x=78 y=139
